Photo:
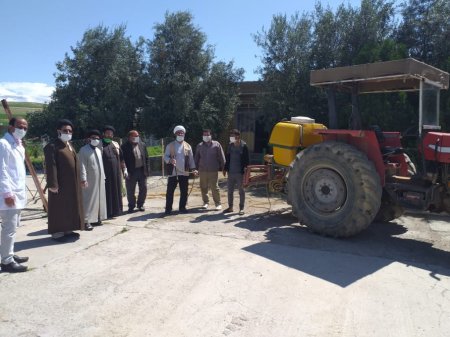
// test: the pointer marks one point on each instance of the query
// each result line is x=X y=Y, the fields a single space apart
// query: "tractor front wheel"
x=334 y=189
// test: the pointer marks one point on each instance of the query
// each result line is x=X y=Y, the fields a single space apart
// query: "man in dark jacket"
x=237 y=159
x=113 y=165
x=136 y=161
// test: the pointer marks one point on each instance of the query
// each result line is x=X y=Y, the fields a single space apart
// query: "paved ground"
x=207 y=274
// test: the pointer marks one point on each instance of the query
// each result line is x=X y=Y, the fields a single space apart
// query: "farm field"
x=19 y=109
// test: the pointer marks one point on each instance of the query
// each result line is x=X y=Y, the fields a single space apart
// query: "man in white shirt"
x=13 y=192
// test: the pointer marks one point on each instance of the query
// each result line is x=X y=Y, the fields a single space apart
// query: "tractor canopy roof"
x=390 y=76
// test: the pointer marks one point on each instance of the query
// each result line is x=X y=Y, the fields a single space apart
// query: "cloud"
x=26 y=92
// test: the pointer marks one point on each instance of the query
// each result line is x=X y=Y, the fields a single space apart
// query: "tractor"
x=339 y=181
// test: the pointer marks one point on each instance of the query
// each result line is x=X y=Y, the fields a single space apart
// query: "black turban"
x=109 y=127
x=63 y=122
x=93 y=133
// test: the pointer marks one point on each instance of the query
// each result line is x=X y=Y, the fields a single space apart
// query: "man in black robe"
x=114 y=167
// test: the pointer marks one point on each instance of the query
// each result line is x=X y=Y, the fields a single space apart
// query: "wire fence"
x=155 y=149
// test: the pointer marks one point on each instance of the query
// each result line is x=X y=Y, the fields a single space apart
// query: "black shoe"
x=130 y=210
x=141 y=209
x=13 y=267
x=228 y=210
x=184 y=211
x=20 y=259
x=95 y=224
x=167 y=212
x=88 y=227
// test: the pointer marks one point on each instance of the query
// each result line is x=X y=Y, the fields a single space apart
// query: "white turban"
x=179 y=128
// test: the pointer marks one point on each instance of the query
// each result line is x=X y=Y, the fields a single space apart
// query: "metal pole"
x=162 y=157
x=420 y=109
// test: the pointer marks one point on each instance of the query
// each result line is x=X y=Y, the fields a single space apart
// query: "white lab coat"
x=12 y=172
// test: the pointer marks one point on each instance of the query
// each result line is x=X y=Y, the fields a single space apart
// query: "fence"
x=155 y=149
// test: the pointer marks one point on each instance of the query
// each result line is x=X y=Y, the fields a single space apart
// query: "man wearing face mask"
x=92 y=181
x=65 y=206
x=237 y=159
x=13 y=192
x=113 y=165
x=209 y=159
x=136 y=170
x=180 y=160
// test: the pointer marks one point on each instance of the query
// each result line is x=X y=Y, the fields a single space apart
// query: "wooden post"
x=29 y=164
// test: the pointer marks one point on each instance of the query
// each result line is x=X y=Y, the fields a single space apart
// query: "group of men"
x=85 y=188
x=209 y=160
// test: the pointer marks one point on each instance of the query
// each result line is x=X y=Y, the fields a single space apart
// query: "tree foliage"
x=185 y=85
x=172 y=78
x=347 y=36
x=152 y=85
x=98 y=84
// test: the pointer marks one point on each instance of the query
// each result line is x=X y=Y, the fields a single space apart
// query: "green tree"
x=425 y=31
x=323 y=39
x=99 y=84
x=286 y=54
x=184 y=85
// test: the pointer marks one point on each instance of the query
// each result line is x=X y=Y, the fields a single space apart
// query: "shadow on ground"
x=40 y=242
x=382 y=243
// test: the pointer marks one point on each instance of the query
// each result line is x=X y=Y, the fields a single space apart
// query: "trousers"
x=235 y=179
x=138 y=177
x=209 y=180
x=10 y=222
x=172 y=183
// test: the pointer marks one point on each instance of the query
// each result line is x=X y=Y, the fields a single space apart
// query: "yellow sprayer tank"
x=289 y=137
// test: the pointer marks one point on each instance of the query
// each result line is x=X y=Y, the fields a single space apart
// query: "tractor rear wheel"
x=334 y=189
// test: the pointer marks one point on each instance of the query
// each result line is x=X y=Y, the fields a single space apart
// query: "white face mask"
x=180 y=138
x=95 y=142
x=135 y=139
x=19 y=133
x=232 y=139
x=65 y=137
x=206 y=139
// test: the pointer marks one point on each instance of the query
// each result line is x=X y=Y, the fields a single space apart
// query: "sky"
x=37 y=34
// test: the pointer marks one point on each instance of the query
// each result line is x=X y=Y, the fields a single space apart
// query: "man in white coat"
x=92 y=176
x=13 y=194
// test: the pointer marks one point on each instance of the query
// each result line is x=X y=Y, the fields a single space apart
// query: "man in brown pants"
x=209 y=159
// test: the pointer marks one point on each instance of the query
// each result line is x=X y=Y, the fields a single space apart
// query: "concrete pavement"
x=208 y=274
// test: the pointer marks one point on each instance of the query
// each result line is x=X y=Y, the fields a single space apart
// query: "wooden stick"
x=29 y=164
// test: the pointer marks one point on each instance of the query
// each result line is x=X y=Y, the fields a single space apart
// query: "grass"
x=154 y=151
x=19 y=109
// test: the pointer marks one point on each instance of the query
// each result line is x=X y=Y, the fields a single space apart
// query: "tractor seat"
x=386 y=151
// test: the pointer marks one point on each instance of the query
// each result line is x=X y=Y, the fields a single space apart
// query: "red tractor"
x=339 y=181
